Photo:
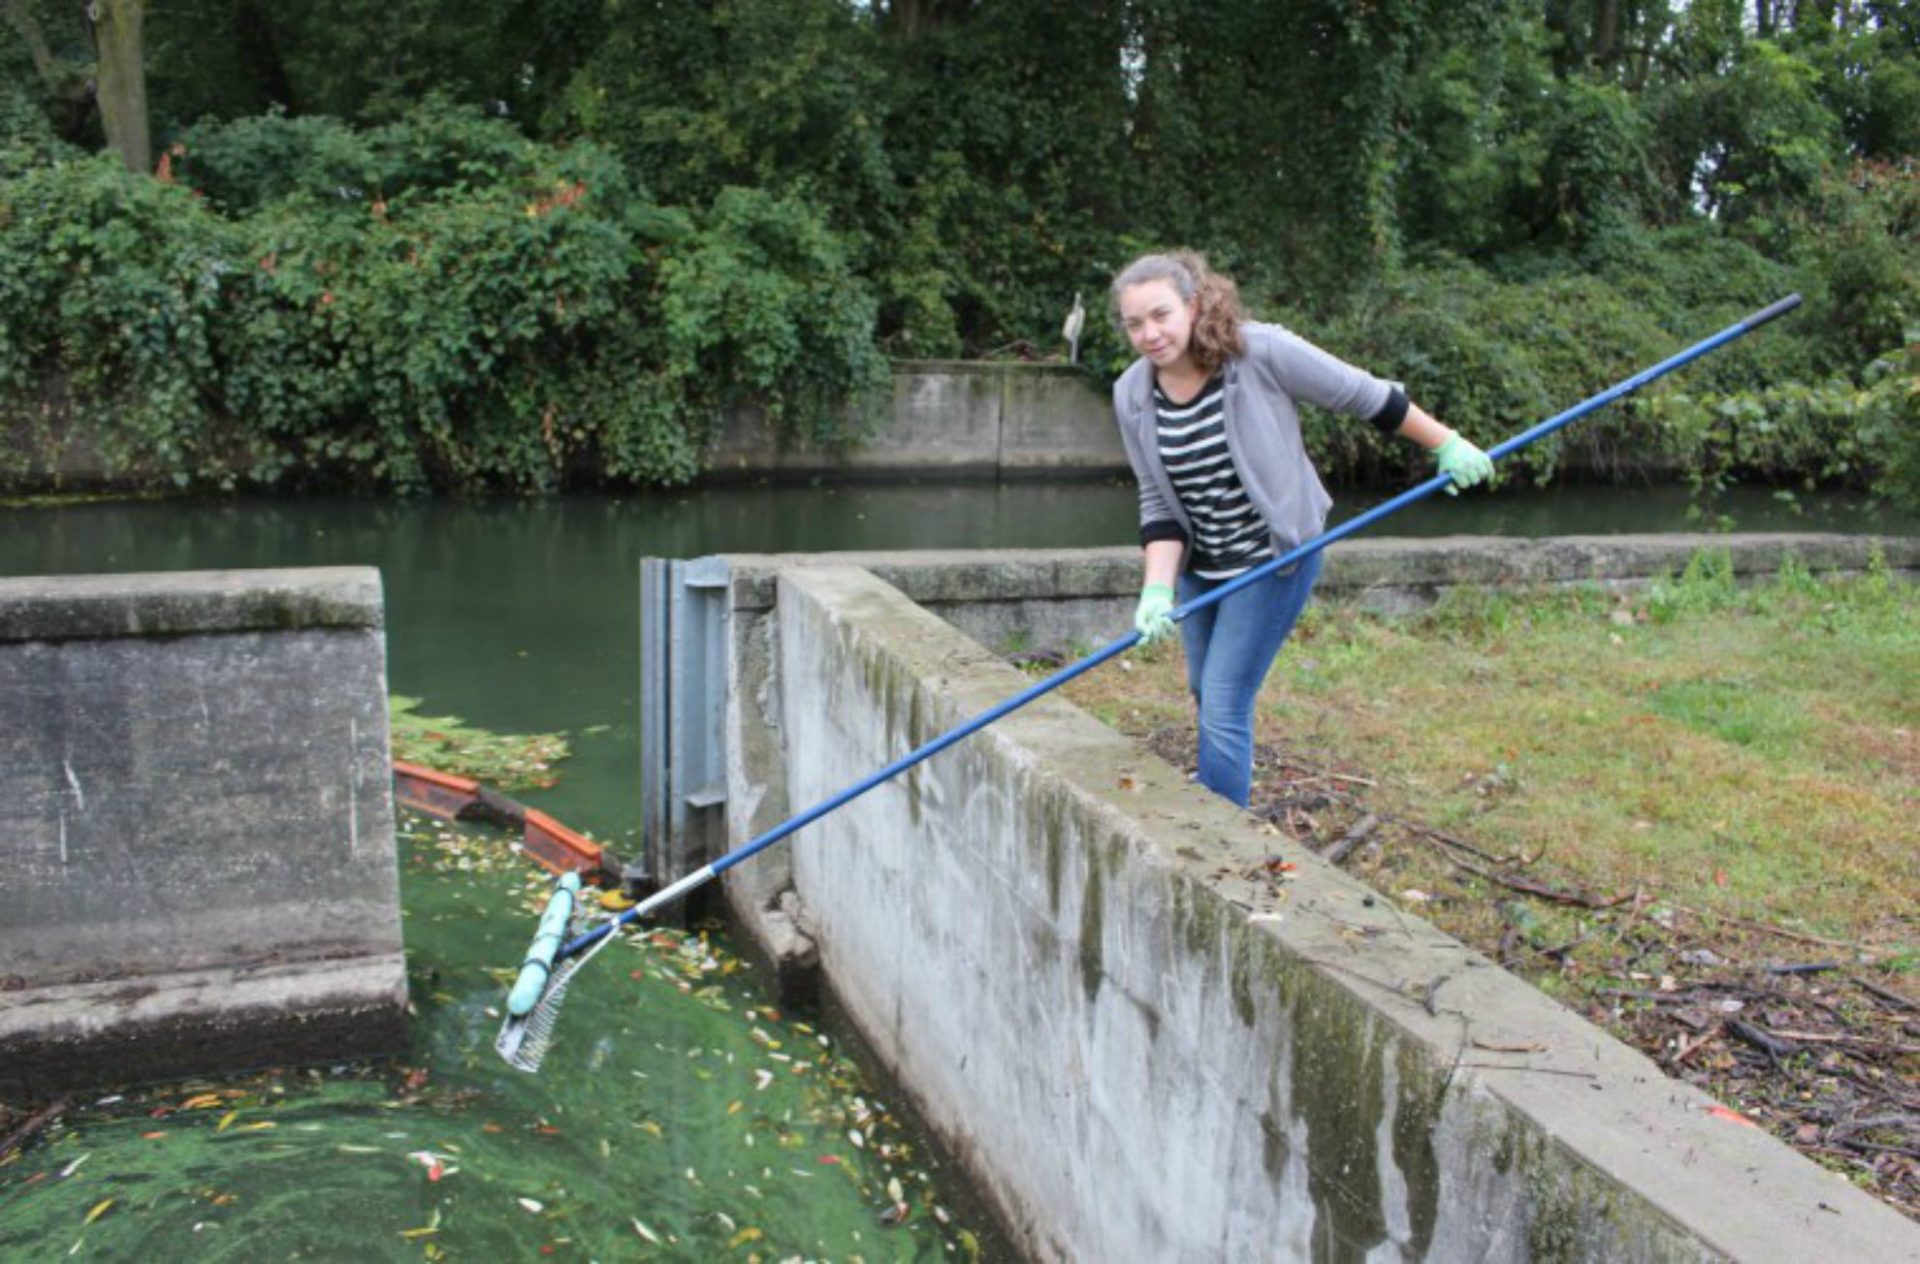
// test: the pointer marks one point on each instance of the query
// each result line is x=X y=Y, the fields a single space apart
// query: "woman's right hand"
x=1152 y=618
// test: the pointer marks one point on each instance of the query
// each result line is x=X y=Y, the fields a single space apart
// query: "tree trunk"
x=1763 y=18
x=61 y=80
x=912 y=19
x=123 y=80
x=1606 y=32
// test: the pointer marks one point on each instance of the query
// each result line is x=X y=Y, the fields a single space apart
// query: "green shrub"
x=759 y=305
x=111 y=287
x=433 y=303
x=247 y=163
x=1492 y=359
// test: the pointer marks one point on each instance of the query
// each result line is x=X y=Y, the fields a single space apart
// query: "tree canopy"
x=789 y=188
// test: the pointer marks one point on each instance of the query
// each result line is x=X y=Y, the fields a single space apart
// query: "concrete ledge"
x=183 y=603
x=1060 y=597
x=197 y=861
x=1354 y=568
x=1074 y=962
x=165 y=1026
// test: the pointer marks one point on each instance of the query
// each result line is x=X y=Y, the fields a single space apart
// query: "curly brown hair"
x=1218 y=315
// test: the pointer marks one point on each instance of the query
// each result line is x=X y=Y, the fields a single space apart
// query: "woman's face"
x=1159 y=323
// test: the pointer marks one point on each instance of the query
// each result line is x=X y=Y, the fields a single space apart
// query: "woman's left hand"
x=1462 y=462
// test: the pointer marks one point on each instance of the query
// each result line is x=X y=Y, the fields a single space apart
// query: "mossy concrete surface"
x=1146 y=1044
x=197 y=863
x=944 y=417
x=184 y=603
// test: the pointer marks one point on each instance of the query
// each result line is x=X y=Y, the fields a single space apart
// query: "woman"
x=1209 y=415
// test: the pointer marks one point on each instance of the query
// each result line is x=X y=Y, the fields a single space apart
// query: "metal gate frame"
x=684 y=619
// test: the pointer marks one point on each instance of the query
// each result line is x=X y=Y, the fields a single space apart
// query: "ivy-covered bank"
x=437 y=302
x=531 y=246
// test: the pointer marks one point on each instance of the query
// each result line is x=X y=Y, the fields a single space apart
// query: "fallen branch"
x=1843 y=1038
x=1460 y=844
x=1886 y=994
x=1539 y=890
x=1775 y=1049
x=1766 y=929
x=1875 y=1146
x=1363 y=829
x=1694 y=1045
x=35 y=1122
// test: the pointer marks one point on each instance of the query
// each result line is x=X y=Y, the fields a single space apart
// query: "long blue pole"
x=1350 y=527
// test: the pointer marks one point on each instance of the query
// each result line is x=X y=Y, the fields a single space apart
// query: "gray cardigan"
x=1262 y=422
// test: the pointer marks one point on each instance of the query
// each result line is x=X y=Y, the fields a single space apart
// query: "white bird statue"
x=1076 y=321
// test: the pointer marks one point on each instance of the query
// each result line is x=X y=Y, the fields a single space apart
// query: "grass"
x=1745 y=752
x=1653 y=807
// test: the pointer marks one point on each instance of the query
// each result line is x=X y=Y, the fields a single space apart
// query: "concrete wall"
x=197 y=865
x=1056 y=597
x=1069 y=959
x=949 y=418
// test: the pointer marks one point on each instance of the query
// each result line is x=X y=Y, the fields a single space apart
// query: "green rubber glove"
x=1152 y=618
x=1465 y=464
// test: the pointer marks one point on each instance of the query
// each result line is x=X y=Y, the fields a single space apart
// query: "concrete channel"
x=1053 y=943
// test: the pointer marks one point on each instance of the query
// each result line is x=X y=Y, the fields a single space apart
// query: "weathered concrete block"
x=1051 y=421
x=197 y=865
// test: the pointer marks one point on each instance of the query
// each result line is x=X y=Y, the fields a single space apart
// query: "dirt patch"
x=1815 y=1040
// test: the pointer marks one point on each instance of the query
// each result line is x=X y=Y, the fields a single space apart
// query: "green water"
x=679 y=1117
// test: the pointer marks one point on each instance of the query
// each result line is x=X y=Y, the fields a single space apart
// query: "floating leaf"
x=645 y=1232
x=746 y=1235
x=226 y=1121
x=99 y=1210
x=532 y=1206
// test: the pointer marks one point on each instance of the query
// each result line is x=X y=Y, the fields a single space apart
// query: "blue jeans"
x=1230 y=647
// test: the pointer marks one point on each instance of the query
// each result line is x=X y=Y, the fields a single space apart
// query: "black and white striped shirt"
x=1229 y=536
